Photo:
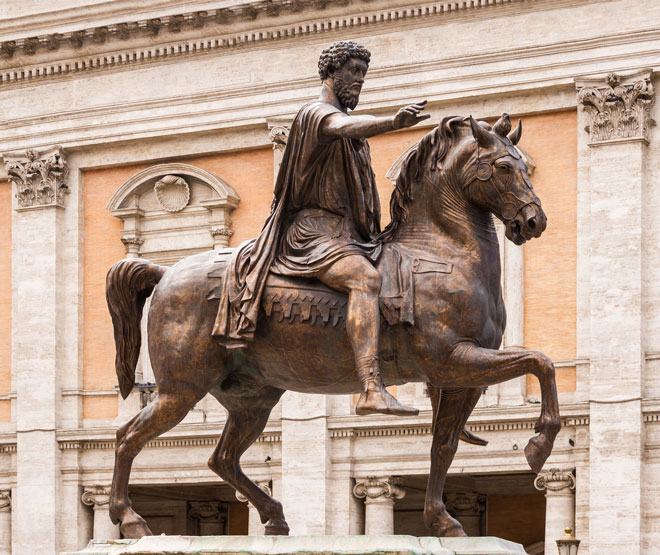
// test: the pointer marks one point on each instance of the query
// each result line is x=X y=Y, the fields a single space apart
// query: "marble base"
x=308 y=545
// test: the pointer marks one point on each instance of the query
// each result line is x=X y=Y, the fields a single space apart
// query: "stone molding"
x=618 y=106
x=39 y=177
x=554 y=481
x=5 y=501
x=172 y=193
x=466 y=503
x=171 y=25
x=96 y=496
x=373 y=488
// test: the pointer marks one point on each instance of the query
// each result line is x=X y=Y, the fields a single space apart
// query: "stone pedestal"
x=559 y=487
x=379 y=495
x=309 y=545
x=98 y=497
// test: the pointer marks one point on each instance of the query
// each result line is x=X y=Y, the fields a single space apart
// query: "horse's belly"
x=311 y=358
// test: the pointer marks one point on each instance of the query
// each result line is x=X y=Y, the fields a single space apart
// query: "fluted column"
x=468 y=509
x=5 y=522
x=559 y=487
x=379 y=495
x=255 y=526
x=98 y=497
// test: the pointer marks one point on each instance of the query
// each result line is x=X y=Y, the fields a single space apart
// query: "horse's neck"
x=457 y=227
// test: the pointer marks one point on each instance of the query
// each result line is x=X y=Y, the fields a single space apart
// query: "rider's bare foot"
x=378 y=400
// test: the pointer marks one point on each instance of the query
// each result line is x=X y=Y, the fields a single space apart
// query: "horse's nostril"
x=531 y=223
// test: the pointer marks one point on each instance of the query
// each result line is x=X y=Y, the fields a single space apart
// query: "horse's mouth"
x=514 y=232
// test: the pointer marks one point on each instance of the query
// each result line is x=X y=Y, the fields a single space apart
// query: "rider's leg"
x=356 y=276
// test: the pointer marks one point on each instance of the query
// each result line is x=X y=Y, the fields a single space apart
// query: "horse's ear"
x=515 y=135
x=479 y=133
x=503 y=125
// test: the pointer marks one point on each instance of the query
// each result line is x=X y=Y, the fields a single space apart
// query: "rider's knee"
x=370 y=281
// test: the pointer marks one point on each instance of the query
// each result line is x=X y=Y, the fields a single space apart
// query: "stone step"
x=303 y=545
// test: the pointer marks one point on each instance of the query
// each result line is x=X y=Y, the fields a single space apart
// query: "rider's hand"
x=409 y=115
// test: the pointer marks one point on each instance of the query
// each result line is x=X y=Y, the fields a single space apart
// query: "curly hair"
x=338 y=53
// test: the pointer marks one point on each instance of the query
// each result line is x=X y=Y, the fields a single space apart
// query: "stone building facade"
x=155 y=129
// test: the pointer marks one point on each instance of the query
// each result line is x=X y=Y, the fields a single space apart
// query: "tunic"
x=325 y=207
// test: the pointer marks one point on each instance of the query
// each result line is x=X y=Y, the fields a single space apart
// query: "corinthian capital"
x=372 y=488
x=618 y=106
x=5 y=500
x=554 y=481
x=39 y=177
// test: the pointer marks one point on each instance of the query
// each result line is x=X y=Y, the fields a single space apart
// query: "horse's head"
x=495 y=177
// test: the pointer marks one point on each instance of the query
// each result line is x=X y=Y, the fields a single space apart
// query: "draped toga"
x=325 y=207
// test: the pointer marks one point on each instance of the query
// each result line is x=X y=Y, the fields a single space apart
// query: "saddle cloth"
x=309 y=300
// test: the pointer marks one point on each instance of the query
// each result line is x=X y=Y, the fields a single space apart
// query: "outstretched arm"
x=337 y=126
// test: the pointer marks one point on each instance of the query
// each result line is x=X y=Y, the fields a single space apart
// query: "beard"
x=347 y=97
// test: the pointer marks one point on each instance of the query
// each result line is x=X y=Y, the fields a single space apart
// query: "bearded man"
x=325 y=220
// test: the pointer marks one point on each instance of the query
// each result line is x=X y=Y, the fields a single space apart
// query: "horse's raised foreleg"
x=159 y=416
x=472 y=366
x=454 y=409
x=246 y=420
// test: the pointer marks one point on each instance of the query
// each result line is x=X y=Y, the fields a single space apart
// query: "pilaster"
x=305 y=461
x=618 y=110
x=379 y=494
x=559 y=487
x=38 y=349
x=98 y=497
x=5 y=522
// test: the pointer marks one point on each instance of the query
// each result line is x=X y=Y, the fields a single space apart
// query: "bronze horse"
x=460 y=173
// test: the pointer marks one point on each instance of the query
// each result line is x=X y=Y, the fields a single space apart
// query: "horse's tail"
x=127 y=286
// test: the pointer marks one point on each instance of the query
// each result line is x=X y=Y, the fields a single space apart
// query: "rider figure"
x=326 y=218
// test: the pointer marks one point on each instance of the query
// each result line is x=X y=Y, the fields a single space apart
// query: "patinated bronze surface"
x=442 y=302
x=325 y=220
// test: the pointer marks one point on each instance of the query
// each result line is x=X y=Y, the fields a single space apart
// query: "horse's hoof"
x=450 y=528
x=136 y=529
x=537 y=452
x=277 y=528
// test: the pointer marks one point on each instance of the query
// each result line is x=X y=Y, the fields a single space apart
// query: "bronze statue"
x=440 y=299
x=325 y=220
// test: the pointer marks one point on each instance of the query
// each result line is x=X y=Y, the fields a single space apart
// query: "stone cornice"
x=171 y=24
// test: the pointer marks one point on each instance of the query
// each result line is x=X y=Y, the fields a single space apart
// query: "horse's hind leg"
x=246 y=420
x=159 y=416
x=454 y=409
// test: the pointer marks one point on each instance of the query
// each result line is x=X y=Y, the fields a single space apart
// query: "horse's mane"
x=435 y=144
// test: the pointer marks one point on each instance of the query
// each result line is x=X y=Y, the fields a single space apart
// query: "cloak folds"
x=325 y=207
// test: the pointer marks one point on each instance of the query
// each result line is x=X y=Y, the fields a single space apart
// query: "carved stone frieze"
x=175 y=23
x=618 y=106
x=554 y=481
x=373 y=488
x=39 y=177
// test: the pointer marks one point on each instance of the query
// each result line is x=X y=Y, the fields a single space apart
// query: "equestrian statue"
x=325 y=302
